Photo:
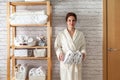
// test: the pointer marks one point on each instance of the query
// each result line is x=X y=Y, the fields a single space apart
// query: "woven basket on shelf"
x=39 y=52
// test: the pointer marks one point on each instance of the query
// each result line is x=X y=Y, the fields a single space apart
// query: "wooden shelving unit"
x=11 y=31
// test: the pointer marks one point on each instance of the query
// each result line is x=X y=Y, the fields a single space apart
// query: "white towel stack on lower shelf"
x=73 y=57
x=37 y=74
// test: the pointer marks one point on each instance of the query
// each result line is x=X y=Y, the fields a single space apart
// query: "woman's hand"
x=83 y=56
x=61 y=57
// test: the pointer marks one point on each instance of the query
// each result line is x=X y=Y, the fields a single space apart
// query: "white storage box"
x=40 y=52
x=21 y=52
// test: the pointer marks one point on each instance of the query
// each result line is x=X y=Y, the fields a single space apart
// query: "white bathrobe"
x=63 y=43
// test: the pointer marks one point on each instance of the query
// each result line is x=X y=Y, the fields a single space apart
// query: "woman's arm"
x=58 y=48
x=83 y=47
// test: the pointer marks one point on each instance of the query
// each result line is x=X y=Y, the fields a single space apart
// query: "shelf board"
x=31 y=58
x=28 y=3
x=28 y=25
x=28 y=47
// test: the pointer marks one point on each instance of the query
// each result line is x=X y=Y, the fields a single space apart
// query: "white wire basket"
x=39 y=52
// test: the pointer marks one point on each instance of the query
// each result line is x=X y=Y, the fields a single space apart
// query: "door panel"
x=113 y=26
x=114 y=66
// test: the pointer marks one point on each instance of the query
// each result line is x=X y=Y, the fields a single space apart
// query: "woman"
x=70 y=39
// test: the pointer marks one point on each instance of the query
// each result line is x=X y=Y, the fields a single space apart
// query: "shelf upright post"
x=49 y=36
x=8 y=41
x=13 y=48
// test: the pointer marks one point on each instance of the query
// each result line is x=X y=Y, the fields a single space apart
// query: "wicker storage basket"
x=40 y=52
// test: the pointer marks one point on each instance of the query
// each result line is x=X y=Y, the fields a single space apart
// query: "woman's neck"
x=71 y=29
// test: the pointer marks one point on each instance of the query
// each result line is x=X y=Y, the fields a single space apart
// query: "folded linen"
x=29 y=17
x=42 y=12
x=73 y=57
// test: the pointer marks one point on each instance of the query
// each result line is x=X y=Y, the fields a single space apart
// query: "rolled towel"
x=23 y=68
x=40 y=71
x=32 y=72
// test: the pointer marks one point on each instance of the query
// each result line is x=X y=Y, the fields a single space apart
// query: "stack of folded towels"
x=72 y=57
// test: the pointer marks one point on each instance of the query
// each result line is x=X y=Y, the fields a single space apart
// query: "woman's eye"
x=71 y=20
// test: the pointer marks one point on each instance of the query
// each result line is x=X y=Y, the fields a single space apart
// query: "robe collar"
x=70 y=39
x=68 y=35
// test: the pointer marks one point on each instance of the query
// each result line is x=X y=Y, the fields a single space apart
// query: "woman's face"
x=71 y=21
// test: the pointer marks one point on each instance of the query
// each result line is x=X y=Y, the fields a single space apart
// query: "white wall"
x=89 y=14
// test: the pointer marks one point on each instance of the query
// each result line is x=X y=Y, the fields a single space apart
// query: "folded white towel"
x=73 y=57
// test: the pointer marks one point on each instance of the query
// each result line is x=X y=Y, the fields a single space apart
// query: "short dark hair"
x=71 y=14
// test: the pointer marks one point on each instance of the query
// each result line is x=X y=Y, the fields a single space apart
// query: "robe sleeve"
x=83 y=44
x=57 y=46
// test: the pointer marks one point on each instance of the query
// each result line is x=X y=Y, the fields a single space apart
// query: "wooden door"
x=112 y=35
